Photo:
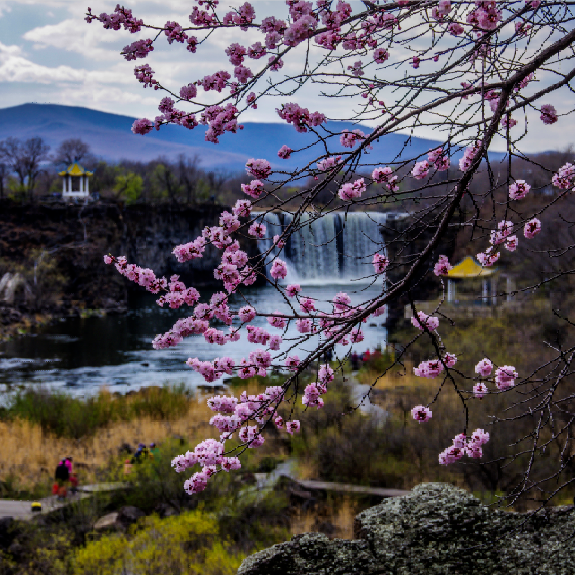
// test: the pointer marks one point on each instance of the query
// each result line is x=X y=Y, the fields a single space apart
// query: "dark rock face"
x=77 y=237
x=436 y=529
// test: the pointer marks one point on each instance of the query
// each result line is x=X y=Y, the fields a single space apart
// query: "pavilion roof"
x=469 y=268
x=75 y=170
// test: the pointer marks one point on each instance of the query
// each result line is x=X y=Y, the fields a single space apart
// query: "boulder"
x=110 y=522
x=436 y=529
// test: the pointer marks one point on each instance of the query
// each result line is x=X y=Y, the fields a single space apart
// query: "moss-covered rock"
x=436 y=529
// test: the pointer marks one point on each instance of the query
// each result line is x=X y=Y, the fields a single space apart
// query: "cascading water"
x=337 y=247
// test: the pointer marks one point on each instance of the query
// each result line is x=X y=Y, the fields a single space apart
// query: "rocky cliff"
x=77 y=237
x=437 y=529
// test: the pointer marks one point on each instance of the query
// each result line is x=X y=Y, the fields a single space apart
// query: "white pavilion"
x=75 y=182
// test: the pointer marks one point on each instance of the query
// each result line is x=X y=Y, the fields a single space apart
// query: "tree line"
x=29 y=172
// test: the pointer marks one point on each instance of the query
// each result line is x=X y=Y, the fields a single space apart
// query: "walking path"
x=23 y=509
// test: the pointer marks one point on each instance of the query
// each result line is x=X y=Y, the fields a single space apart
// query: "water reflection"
x=82 y=354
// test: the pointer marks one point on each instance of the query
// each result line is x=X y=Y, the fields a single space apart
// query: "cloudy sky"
x=48 y=54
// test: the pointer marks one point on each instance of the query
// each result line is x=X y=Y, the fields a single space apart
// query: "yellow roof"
x=75 y=170
x=469 y=268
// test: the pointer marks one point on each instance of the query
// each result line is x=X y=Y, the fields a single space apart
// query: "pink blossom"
x=442 y=266
x=307 y=305
x=415 y=61
x=236 y=53
x=508 y=121
x=356 y=335
x=254 y=189
x=548 y=114
x=505 y=377
x=217 y=81
x=349 y=139
x=292 y=362
x=247 y=313
x=258 y=168
x=455 y=29
x=480 y=390
x=383 y=176
x=451 y=455
x=421 y=414
x=564 y=177
x=484 y=368
x=293 y=426
x=356 y=69
x=301 y=118
x=450 y=360
x=380 y=263
x=511 y=243
x=328 y=163
x=439 y=159
x=420 y=170
x=325 y=374
x=479 y=437
x=275 y=342
x=276 y=321
x=222 y=403
x=279 y=269
x=293 y=289
x=430 y=369
x=303 y=325
x=352 y=190
x=532 y=228
x=342 y=302
x=380 y=55
x=279 y=242
x=285 y=152
x=488 y=258
x=518 y=190
x=422 y=321
x=243 y=74
x=142 y=126
x=257 y=229
x=188 y=92
x=242 y=208
x=469 y=155
x=138 y=49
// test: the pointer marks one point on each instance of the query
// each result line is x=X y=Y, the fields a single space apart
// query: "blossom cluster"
x=463 y=445
x=300 y=117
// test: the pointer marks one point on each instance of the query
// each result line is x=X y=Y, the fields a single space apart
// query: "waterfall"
x=337 y=247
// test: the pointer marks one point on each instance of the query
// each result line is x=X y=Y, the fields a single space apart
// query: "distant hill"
x=110 y=137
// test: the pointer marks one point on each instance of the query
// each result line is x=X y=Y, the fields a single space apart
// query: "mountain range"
x=110 y=137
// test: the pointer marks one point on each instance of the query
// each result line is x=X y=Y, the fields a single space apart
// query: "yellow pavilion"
x=468 y=268
x=75 y=182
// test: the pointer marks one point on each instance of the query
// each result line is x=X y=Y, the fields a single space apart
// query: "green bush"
x=66 y=416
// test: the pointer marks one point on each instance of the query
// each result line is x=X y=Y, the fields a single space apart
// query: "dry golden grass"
x=31 y=456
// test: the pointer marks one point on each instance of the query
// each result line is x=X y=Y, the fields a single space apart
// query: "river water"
x=325 y=256
x=82 y=354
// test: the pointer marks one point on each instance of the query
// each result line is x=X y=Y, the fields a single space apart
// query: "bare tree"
x=188 y=173
x=71 y=150
x=24 y=159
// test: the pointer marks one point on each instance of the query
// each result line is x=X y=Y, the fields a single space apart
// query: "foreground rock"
x=437 y=529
